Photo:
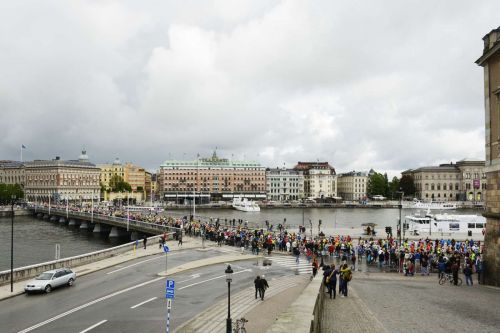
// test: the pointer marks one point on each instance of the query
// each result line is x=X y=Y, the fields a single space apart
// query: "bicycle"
x=449 y=278
x=238 y=328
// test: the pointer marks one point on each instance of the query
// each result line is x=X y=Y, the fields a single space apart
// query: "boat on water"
x=244 y=205
x=434 y=205
x=445 y=223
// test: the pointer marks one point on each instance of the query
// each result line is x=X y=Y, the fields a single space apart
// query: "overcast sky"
x=388 y=85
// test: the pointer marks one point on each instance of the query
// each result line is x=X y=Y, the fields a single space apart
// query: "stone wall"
x=491 y=239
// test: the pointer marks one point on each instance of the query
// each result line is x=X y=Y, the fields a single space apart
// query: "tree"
x=407 y=185
x=393 y=187
x=8 y=190
x=377 y=184
x=140 y=189
x=117 y=184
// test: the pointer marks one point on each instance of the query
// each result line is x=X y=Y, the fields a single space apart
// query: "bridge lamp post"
x=229 y=274
x=13 y=197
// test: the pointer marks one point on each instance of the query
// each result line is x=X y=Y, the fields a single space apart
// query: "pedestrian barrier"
x=31 y=271
x=318 y=311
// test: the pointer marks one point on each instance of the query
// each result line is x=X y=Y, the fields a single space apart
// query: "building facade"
x=211 y=179
x=462 y=181
x=12 y=172
x=490 y=61
x=352 y=185
x=320 y=180
x=132 y=174
x=136 y=177
x=284 y=184
x=61 y=180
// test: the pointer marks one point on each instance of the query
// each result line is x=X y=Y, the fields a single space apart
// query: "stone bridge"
x=111 y=225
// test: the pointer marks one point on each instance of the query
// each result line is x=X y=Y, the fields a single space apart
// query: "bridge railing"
x=121 y=220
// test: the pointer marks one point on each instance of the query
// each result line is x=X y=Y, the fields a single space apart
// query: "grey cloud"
x=388 y=85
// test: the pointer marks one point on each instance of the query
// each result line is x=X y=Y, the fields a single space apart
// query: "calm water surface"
x=35 y=241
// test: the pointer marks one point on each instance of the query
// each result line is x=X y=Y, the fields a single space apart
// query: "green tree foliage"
x=393 y=188
x=407 y=185
x=377 y=184
x=117 y=184
x=7 y=190
x=140 y=189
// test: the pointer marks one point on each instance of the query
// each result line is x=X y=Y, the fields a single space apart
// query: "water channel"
x=34 y=239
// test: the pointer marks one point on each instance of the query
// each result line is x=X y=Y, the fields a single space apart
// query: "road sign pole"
x=168 y=320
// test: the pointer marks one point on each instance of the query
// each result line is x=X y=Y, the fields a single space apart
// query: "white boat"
x=434 y=205
x=245 y=205
x=445 y=223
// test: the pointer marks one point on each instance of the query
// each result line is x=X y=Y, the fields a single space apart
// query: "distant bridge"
x=98 y=223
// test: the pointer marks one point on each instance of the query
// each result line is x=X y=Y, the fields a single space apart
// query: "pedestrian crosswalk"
x=213 y=319
x=301 y=267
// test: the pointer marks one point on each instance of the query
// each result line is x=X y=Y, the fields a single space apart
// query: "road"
x=131 y=297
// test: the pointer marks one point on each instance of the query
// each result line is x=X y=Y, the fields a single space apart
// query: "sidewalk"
x=152 y=249
x=349 y=314
x=243 y=304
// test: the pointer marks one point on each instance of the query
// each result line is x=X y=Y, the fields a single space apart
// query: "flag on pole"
x=23 y=147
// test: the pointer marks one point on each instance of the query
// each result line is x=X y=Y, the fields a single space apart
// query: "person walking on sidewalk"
x=257 y=284
x=263 y=286
x=180 y=238
x=346 y=277
x=331 y=281
x=144 y=241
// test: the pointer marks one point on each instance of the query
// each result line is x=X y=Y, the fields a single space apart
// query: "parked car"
x=49 y=280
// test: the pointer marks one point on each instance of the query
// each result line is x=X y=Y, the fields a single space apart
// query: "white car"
x=49 y=280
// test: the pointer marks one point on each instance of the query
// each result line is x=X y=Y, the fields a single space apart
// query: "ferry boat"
x=434 y=205
x=245 y=205
x=445 y=223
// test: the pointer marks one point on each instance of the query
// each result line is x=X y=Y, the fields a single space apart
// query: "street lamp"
x=311 y=225
x=13 y=197
x=229 y=274
x=400 y=206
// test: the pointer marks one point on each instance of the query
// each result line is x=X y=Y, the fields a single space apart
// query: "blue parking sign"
x=166 y=249
x=170 y=284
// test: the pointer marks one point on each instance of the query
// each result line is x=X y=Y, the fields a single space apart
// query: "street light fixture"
x=229 y=275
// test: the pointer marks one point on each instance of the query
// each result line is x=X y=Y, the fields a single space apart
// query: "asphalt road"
x=130 y=297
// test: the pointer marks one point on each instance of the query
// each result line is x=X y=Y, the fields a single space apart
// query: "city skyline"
x=391 y=88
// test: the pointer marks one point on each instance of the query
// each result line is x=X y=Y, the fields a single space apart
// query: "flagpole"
x=21 y=153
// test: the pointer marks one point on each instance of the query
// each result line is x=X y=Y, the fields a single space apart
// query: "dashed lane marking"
x=94 y=326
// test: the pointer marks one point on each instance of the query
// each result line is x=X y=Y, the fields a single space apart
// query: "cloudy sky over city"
x=388 y=85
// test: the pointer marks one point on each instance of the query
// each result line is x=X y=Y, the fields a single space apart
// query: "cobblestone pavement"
x=396 y=303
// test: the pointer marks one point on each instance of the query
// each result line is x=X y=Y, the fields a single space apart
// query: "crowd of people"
x=410 y=257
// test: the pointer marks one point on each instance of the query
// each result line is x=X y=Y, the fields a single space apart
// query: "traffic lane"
x=445 y=308
x=194 y=294
x=89 y=287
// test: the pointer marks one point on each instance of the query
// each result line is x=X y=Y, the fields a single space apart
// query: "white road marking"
x=146 y=301
x=94 y=326
x=137 y=263
x=214 y=278
x=64 y=314
x=194 y=276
